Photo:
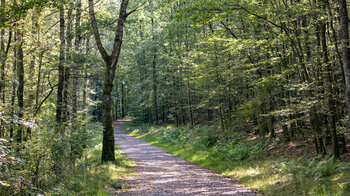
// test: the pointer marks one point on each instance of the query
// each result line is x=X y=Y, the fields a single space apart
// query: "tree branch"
x=136 y=9
x=43 y=101
x=229 y=30
x=96 y=32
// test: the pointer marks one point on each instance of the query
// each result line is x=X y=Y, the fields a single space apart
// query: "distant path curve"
x=161 y=173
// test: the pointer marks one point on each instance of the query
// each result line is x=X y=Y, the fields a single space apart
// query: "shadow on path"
x=161 y=173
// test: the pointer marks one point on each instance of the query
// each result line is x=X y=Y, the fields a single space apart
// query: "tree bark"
x=20 y=78
x=14 y=84
x=38 y=83
x=3 y=56
x=85 y=76
x=76 y=71
x=344 y=36
x=67 y=68
x=123 y=100
x=59 y=104
x=154 y=75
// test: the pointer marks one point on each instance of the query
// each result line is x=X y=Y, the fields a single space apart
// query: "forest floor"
x=161 y=173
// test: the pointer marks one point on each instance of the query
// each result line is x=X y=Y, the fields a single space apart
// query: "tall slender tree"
x=59 y=106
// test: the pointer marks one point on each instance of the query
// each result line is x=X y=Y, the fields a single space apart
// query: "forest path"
x=161 y=173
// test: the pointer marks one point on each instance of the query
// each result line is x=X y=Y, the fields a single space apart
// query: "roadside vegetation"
x=269 y=166
x=79 y=172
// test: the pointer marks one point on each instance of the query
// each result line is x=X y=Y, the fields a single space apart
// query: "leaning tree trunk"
x=110 y=68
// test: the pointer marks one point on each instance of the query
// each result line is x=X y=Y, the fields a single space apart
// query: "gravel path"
x=161 y=173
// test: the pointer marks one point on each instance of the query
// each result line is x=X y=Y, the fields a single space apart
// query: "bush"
x=238 y=151
x=171 y=136
x=47 y=159
x=210 y=140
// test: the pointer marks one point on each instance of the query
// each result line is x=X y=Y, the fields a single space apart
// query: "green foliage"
x=60 y=164
x=318 y=168
x=10 y=170
x=90 y=177
x=172 y=135
x=239 y=151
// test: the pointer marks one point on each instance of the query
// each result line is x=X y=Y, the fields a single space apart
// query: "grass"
x=247 y=160
x=90 y=177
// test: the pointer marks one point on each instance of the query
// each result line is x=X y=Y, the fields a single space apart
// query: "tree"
x=111 y=62
x=59 y=106
x=344 y=36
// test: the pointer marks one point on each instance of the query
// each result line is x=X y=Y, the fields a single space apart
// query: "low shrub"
x=171 y=136
x=238 y=151
x=317 y=168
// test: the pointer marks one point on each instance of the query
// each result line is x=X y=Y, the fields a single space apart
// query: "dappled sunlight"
x=159 y=172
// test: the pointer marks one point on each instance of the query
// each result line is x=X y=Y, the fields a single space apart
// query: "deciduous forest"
x=258 y=90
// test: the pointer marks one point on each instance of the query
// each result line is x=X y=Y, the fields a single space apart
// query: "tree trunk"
x=85 y=86
x=14 y=85
x=111 y=63
x=38 y=83
x=123 y=100
x=331 y=104
x=75 y=71
x=20 y=78
x=189 y=102
x=116 y=100
x=60 y=89
x=3 y=58
x=154 y=75
x=344 y=36
x=67 y=69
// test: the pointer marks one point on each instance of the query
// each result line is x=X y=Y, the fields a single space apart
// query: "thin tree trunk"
x=67 y=70
x=123 y=100
x=189 y=102
x=85 y=76
x=154 y=75
x=14 y=85
x=59 y=105
x=38 y=83
x=76 y=71
x=20 y=89
x=3 y=57
x=116 y=100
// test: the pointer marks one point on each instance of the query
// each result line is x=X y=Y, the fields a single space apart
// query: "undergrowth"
x=90 y=177
x=246 y=159
x=66 y=165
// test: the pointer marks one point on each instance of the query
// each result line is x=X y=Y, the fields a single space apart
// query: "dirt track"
x=161 y=173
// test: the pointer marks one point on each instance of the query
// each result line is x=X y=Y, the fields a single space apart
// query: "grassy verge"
x=248 y=160
x=90 y=177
